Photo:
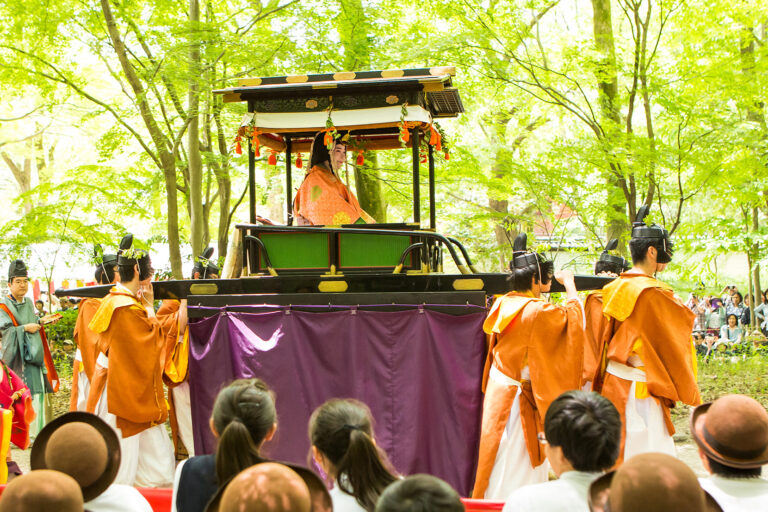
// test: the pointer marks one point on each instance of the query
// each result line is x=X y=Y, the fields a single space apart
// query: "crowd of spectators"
x=723 y=324
x=76 y=457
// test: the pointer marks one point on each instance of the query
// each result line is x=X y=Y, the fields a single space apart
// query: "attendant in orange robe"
x=85 y=339
x=322 y=199
x=650 y=354
x=173 y=315
x=536 y=353
x=608 y=265
x=132 y=343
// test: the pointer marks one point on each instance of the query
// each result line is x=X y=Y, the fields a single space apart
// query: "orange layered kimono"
x=85 y=339
x=646 y=321
x=323 y=200
x=135 y=346
x=549 y=340
x=176 y=368
x=594 y=347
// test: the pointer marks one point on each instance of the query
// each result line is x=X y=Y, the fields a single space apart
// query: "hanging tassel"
x=405 y=135
x=360 y=158
x=447 y=155
x=238 y=147
x=299 y=162
x=423 y=155
x=255 y=143
x=435 y=139
x=272 y=160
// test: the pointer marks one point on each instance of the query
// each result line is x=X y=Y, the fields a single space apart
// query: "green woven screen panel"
x=364 y=250
x=296 y=250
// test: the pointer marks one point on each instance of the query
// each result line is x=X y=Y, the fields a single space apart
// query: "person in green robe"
x=22 y=344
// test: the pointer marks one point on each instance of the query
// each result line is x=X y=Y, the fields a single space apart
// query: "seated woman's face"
x=731 y=321
x=338 y=156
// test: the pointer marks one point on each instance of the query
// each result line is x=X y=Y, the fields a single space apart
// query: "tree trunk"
x=369 y=187
x=354 y=31
x=608 y=86
x=167 y=162
x=197 y=217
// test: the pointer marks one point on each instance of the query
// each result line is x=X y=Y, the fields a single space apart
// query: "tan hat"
x=266 y=487
x=81 y=445
x=650 y=481
x=319 y=495
x=42 y=491
x=732 y=430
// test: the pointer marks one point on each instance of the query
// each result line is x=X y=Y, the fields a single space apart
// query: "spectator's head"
x=583 y=432
x=266 y=487
x=244 y=417
x=732 y=320
x=64 y=304
x=736 y=298
x=529 y=268
x=18 y=280
x=42 y=491
x=747 y=300
x=39 y=305
x=698 y=338
x=732 y=434
x=341 y=433
x=650 y=481
x=419 y=493
x=82 y=446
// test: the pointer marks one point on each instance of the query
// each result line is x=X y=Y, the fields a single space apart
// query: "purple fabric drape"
x=418 y=370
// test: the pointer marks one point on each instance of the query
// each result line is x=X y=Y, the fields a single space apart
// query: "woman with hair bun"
x=243 y=418
x=341 y=432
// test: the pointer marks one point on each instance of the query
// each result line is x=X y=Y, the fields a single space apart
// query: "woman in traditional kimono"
x=322 y=199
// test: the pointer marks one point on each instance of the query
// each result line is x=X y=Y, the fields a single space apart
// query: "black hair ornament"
x=640 y=230
x=522 y=258
x=614 y=262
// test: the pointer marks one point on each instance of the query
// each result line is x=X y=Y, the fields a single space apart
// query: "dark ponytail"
x=243 y=415
x=342 y=431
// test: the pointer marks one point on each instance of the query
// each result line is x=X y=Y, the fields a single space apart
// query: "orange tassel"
x=447 y=156
x=238 y=147
x=299 y=162
x=328 y=138
x=405 y=134
x=256 y=151
x=435 y=139
x=272 y=160
x=360 y=158
x=423 y=158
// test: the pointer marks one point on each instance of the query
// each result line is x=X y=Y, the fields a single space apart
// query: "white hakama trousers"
x=512 y=468
x=645 y=427
x=147 y=459
x=83 y=384
x=183 y=410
